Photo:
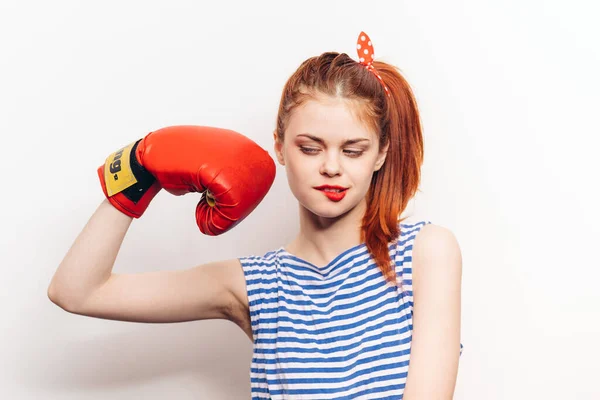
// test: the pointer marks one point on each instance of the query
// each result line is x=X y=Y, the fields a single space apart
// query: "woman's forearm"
x=90 y=260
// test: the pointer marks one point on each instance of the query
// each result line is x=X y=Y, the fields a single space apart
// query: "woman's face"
x=316 y=152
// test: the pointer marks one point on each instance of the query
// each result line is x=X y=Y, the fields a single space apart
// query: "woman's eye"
x=312 y=150
x=354 y=153
x=308 y=150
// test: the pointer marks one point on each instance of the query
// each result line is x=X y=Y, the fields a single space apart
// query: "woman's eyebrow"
x=319 y=140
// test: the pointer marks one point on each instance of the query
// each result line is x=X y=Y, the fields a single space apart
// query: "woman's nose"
x=331 y=164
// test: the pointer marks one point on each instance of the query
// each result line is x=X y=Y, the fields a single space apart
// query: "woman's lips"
x=334 y=196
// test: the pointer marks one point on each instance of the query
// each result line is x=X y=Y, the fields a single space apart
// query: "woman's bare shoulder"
x=436 y=246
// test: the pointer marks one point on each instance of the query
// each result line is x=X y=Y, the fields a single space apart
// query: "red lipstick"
x=333 y=192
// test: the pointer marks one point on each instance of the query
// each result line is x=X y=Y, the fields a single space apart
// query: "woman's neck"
x=322 y=239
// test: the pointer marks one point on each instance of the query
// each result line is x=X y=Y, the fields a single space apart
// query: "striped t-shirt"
x=333 y=332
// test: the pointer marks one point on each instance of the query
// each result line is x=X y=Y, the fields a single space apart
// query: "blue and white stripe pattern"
x=333 y=332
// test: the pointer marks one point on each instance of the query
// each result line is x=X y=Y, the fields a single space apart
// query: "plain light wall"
x=508 y=93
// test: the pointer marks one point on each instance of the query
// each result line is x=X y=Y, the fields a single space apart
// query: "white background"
x=509 y=95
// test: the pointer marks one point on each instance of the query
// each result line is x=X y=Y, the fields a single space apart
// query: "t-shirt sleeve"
x=261 y=287
x=404 y=248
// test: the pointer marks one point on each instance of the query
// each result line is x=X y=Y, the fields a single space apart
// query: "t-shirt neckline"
x=282 y=250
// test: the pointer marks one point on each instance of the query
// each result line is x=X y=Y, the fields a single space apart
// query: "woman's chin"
x=331 y=210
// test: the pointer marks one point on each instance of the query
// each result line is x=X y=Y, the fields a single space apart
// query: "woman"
x=341 y=310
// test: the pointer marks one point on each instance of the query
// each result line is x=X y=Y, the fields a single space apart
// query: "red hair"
x=396 y=120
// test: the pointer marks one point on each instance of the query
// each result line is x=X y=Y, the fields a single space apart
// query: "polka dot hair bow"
x=366 y=56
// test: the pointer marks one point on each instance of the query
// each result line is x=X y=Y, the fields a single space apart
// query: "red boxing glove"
x=232 y=172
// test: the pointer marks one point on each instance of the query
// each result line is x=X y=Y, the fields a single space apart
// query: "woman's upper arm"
x=214 y=290
x=435 y=348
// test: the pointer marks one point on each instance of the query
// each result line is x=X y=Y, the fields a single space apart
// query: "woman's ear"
x=381 y=157
x=278 y=147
